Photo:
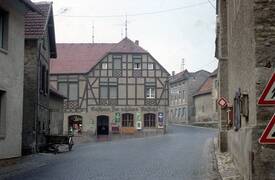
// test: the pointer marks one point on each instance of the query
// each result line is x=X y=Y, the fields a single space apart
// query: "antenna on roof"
x=121 y=33
x=182 y=64
x=93 y=33
x=126 y=26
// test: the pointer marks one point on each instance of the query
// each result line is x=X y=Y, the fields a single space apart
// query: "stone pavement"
x=226 y=166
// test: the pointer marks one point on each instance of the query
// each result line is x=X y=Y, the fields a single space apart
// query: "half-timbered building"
x=110 y=88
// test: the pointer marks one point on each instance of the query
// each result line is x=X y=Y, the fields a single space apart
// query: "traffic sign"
x=268 y=95
x=222 y=102
x=268 y=136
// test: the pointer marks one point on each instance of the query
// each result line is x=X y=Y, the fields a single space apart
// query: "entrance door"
x=102 y=125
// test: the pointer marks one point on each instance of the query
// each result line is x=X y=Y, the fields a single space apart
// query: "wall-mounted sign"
x=268 y=136
x=138 y=121
x=117 y=117
x=222 y=102
x=160 y=120
x=268 y=95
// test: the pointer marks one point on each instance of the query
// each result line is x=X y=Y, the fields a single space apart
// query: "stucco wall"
x=203 y=108
x=250 y=63
x=56 y=105
x=11 y=80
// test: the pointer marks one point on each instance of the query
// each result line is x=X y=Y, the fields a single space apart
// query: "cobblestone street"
x=185 y=153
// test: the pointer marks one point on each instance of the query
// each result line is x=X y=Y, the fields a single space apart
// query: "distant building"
x=206 y=109
x=110 y=88
x=182 y=88
x=11 y=75
x=39 y=48
x=56 y=109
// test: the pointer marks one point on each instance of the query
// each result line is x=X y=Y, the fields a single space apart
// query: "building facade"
x=110 y=88
x=39 y=48
x=182 y=88
x=205 y=101
x=56 y=110
x=11 y=75
x=245 y=49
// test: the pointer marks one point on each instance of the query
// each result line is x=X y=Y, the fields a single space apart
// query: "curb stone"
x=226 y=166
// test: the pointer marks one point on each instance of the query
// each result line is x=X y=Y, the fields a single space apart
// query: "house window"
x=3 y=30
x=149 y=120
x=137 y=62
x=182 y=112
x=104 y=65
x=47 y=82
x=150 y=92
x=127 y=120
x=73 y=91
x=43 y=79
x=2 y=114
x=151 y=66
x=117 y=62
x=113 y=92
x=63 y=88
x=179 y=112
x=103 y=91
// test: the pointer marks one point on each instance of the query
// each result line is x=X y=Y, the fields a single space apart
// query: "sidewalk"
x=226 y=166
x=25 y=163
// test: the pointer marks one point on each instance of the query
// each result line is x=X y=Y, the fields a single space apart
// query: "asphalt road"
x=182 y=154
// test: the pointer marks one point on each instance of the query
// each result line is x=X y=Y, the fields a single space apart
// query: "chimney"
x=137 y=42
x=173 y=73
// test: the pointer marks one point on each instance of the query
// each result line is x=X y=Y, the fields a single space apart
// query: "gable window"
x=73 y=91
x=3 y=30
x=150 y=92
x=137 y=62
x=117 y=62
x=104 y=66
x=63 y=88
x=151 y=66
x=127 y=120
x=2 y=114
x=104 y=91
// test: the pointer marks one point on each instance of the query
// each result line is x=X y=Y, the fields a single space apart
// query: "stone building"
x=245 y=49
x=11 y=75
x=39 y=48
x=182 y=88
x=56 y=110
x=206 y=110
x=110 y=88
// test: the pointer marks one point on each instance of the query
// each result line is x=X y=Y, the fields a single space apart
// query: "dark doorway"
x=102 y=125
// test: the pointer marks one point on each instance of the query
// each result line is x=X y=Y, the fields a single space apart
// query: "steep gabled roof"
x=206 y=87
x=30 y=5
x=79 y=58
x=37 y=24
x=127 y=46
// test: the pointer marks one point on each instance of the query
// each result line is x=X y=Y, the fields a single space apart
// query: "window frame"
x=4 y=30
x=148 y=121
x=153 y=66
x=127 y=120
x=3 y=103
x=151 y=95
x=69 y=91
x=104 y=66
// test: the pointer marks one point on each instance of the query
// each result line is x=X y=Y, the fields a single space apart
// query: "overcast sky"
x=172 y=29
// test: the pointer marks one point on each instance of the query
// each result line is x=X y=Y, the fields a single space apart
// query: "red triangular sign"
x=268 y=136
x=268 y=96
